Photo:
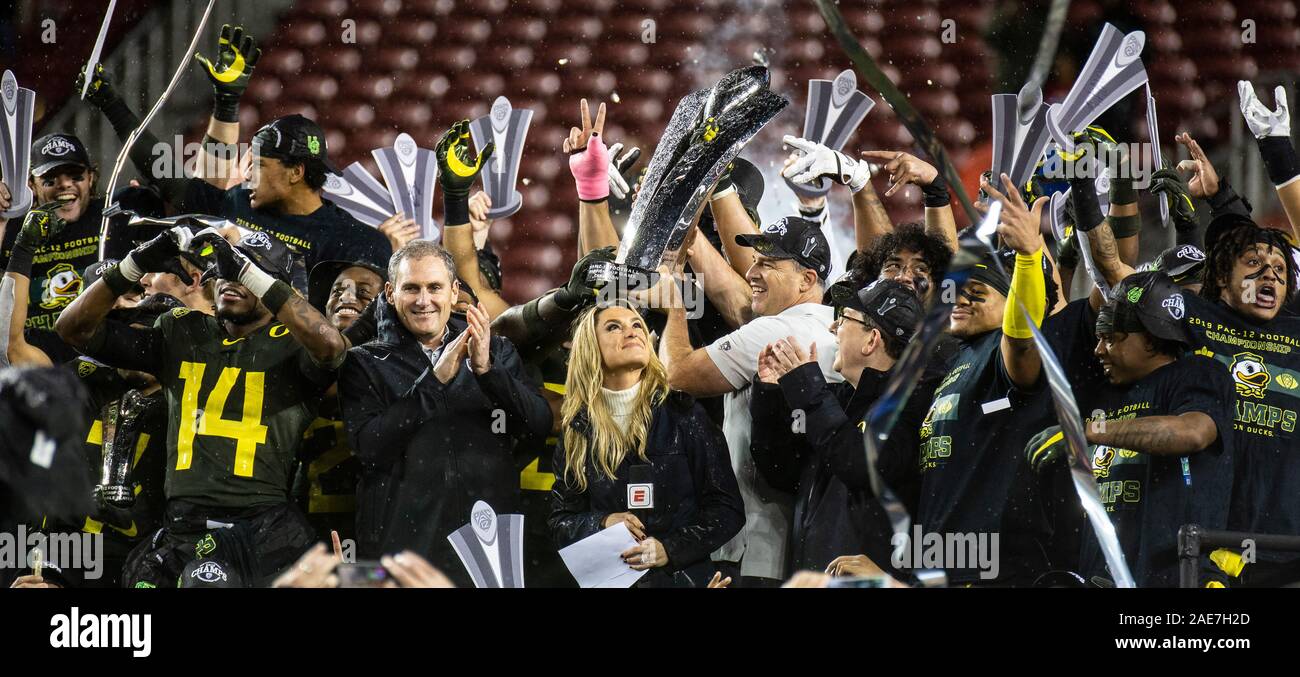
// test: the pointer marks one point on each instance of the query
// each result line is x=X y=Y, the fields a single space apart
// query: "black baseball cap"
x=294 y=138
x=793 y=238
x=890 y=305
x=57 y=150
x=1182 y=263
x=322 y=277
x=1147 y=302
x=210 y=573
x=265 y=250
x=995 y=270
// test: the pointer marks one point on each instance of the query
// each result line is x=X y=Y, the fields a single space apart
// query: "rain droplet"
x=564 y=62
x=614 y=97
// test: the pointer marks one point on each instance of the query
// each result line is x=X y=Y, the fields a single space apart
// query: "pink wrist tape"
x=590 y=169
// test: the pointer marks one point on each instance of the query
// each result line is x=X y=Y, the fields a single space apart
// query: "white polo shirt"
x=761 y=546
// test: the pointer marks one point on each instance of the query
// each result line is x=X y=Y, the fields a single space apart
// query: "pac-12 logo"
x=1249 y=374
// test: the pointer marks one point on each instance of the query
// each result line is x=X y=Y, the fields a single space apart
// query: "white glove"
x=1262 y=121
x=617 y=184
x=818 y=161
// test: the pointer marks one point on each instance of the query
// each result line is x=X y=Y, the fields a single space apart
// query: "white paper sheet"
x=595 y=562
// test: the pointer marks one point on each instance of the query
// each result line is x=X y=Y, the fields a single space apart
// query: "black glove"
x=100 y=94
x=1046 y=448
x=227 y=262
x=1166 y=181
x=237 y=54
x=578 y=290
x=457 y=166
x=366 y=327
x=157 y=255
x=41 y=225
x=1082 y=167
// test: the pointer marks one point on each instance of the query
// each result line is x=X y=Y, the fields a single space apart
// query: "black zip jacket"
x=697 y=504
x=429 y=450
x=836 y=513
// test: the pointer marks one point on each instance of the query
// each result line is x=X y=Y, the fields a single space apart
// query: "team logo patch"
x=209 y=572
x=178 y=313
x=144 y=584
x=1249 y=374
x=313 y=145
x=777 y=228
x=1134 y=294
x=60 y=287
x=1190 y=253
x=1174 y=304
x=85 y=369
x=1102 y=457
x=1287 y=381
x=206 y=546
x=256 y=239
x=58 y=147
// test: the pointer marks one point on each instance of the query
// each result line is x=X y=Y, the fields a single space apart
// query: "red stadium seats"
x=311 y=87
x=415 y=33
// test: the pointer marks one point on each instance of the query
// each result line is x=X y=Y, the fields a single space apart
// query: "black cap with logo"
x=1147 y=302
x=890 y=305
x=295 y=138
x=57 y=150
x=793 y=238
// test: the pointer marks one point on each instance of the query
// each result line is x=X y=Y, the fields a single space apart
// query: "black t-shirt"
x=1072 y=335
x=1263 y=364
x=1148 y=497
x=974 y=479
x=327 y=234
x=57 y=266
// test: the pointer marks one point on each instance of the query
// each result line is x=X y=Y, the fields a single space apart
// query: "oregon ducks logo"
x=1249 y=375
x=279 y=330
x=313 y=145
x=60 y=287
x=1286 y=381
x=1101 y=460
x=85 y=369
x=178 y=313
x=205 y=546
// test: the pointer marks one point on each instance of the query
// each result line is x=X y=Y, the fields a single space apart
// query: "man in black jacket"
x=810 y=440
x=433 y=408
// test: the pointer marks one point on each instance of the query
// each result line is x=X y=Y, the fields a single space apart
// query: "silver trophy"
x=1113 y=70
x=409 y=171
x=122 y=422
x=16 y=107
x=491 y=547
x=706 y=132
x=835 y=109
x=506 y=127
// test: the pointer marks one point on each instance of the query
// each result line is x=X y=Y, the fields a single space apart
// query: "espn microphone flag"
x=507 y=127
x=16 y=107
x=835 y=109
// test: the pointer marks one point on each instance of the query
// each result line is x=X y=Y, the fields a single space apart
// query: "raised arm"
x=904 y=168
x=727 y=291
x=237 y=55
x=1272 y=130
x=731 y=219
x=589 y=164
x=38 y=227
x=307 y=326
x=1019 y=229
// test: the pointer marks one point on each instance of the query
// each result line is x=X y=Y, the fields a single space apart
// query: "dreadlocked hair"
x=1220 y=260
x=908 y=236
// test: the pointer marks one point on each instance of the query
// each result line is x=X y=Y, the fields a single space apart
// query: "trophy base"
x=818 y=188
x=512 y=205
x=117 y=496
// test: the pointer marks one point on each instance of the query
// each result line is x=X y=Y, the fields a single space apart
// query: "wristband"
x=811 y=213
x=936 y=193
x=1279 y=159
x=275 y=297
x=1222 y=200
x=130 y=269
x=1087 y=211
x=257 y=280
x=116 y=281
x=20 y=260
x=1125 y=226
x=719 y=194
x=1122 y=192
x=225 y=107
x=455 y=209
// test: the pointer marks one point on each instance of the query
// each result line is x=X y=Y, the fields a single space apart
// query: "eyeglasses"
x=841 y=315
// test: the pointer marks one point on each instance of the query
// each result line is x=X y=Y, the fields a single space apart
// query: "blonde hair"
x=609 y=444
